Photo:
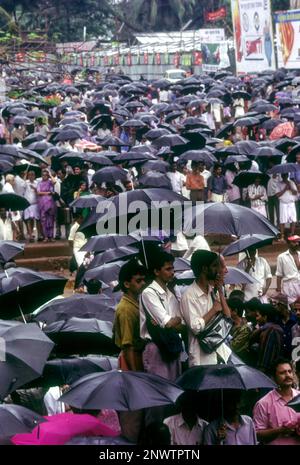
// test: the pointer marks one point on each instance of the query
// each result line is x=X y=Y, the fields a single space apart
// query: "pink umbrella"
x=62 y=428
x=283 y=130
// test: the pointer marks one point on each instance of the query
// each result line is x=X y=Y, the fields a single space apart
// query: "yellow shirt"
x=126 y=328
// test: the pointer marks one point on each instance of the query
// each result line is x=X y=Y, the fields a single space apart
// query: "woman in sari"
x=47 y=206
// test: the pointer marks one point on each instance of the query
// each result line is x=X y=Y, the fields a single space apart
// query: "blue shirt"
x=217 y=184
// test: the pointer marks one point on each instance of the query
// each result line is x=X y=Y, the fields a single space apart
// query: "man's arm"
x=269 y=434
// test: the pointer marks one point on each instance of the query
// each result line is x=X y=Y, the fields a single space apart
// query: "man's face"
x=219 y=171
x=214 y=270
x=166 y=273
x=3 y=213
x=77 y=170
x=298 y=158
x=297 y=311
x=293 y=245
x=284 y=375
x=260 y=319
x=136 y=284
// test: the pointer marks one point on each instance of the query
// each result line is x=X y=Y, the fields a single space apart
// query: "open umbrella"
x=156 y=133
x=156 y=165
x=236 y=159
x=122 y=391
x=134 y=156
x=208 y=377
x=112 y=241
x=13 y=202
x=22 y=290
x=246 y=122
x=110 y=174
x=113 y=255
x=87 y=201
x=199 y=155
x=233 y=276
x=247 y=241
x=25 y=350
x=82 y=336
x=77 y=305
x=9 y=249
x=226 y=218
x=285 y=168
x=155 y=179
x=17 y=419
x=169 y=140
x=295 y=403
x=106 y=273
x=245 y=178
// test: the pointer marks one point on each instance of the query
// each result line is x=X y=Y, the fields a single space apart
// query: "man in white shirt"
x=273 y=203
x=6 y=232
x=288 y=270
x=163 y=308
x=287 y=194
x=186 y=428
x=198 y=243
x=177 y=179
x=51 y=401
x=258 y=268
x=77 y=240
x=199 y=306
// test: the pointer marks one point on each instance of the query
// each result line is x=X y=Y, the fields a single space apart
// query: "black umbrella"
x=63 y=371
x=6 y=166
x=22 y=289
x=295 y=403
x=39 y=146
x=13 y=202
x=9 y=249
x=134 y=156
x=199 y=155
x=68 y=134
x=87 y=201
x=208 y=377
x=247 y=241
x=110 y=175
x=156 y=165
x=236 y=159
x=112 y=141
x=35 y=137
x=241 y=94
x=112 y=241
x=233 y=276
x=98 y=159
x=77 y=305
x=155 y=179
x=246 y=122
x=170 y=140
x=16 y=419
x=122 y=391
x=268 y=152
x=156 y=133
x=246 y=178
x=22 y=120
x=113 y=255
x=134 y=123
x=270 y=124
x=265 y=107
x=9 y=150
x=82 y=336
x=106 y=273
x=25 y=350
x=173 y=115
x=28 y=167
x=227 y=218
x=285 y=168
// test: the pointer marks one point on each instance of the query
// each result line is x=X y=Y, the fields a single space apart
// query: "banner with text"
x=253 y=35
x=288 y=38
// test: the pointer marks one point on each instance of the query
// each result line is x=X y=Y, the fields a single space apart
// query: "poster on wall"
x=288 y=38
x=253 y=35
x=214 y=56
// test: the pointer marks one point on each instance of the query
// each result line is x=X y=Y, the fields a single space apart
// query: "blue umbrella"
x=244 y=242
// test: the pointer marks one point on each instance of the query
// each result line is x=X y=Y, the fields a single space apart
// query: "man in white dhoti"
x=287 y=194
x=258 y=196
x=288 y=270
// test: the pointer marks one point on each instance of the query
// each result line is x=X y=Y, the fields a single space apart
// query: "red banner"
x=146 y=60
x=176 y=60
x=158 y=59
x=129 y=59
x=197 y=58
x=216 y=15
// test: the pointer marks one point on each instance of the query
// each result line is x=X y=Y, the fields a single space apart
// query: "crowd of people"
x=211 y=139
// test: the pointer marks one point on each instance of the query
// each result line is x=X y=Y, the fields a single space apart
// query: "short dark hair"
x=93 y=286
x=277 y=362
x=237 y=294
x=201 y=259
x=162 y=257
x=252 y=304
x=128 y=270
x=269 y=311
x=236 y=305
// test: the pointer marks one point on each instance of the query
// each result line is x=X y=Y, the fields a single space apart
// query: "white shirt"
x=51 y=402
x=181 y=435
x=288 y=196
x=272 y=187
x=198 y=243
x=19 y=186
x=6 y=232
x=286 y=266
x=160 y=304
x=261 y=272
x=194 y=305
x=253 y=191
x=30 y=194
x=177 y=180
x=206 y=174
x=180 y=243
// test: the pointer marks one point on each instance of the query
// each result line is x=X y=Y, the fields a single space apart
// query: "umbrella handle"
x=144 y=251
x=22 y=314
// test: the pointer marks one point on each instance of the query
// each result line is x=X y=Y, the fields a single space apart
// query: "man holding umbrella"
x=199 y=305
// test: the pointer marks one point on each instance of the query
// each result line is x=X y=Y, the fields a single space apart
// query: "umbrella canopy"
x=233 y=276
x=295 y=403
x=246 y=122
x=77 y=305
x=9 y=249
x=156 y=165
x=87 y=201
x=285 y=168
x=17 y=419
x=122 y=391
x=236 y=159
x=82 y=336
x=245 y=178
x=170 y=140
x=227 y=218
x=13 y=202
x=110 y=175
x=155 y=179
x=134 y=156
x=156 y=133
x=26 y=350
x=134 y=123
x=25 y=289
x=247 y=241
x=63 y=371
x=203 y=378
x=112 y=241
x=113 y=255
x=106 y=273
x=199 y=155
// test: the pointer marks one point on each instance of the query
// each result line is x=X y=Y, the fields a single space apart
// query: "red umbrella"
x=283 y=130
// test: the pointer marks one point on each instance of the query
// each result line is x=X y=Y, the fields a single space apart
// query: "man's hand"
x=173 y=322
x=217 y=307
x=221 y=432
